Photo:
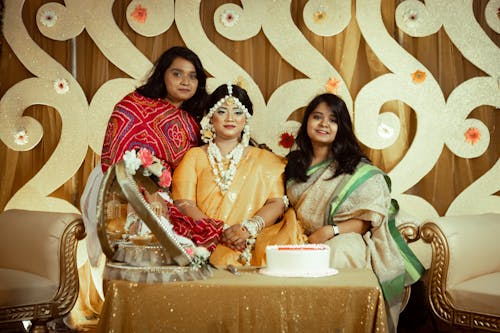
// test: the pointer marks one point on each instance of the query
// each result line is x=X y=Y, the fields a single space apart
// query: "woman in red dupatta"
x=162 y=116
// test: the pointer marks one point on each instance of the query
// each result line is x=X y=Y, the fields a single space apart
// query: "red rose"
x=286 y=140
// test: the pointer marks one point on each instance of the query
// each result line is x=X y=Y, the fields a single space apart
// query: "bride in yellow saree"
x=228 y=180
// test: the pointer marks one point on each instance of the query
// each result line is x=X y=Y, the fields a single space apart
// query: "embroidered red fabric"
x=155 y=124
x=203 y=232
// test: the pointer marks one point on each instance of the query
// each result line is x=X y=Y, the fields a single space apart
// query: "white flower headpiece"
x=207 y=129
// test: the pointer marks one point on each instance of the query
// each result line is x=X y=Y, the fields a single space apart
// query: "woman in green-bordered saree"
x=340 y=199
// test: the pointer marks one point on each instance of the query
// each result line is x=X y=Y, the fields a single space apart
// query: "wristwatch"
x=336 y=229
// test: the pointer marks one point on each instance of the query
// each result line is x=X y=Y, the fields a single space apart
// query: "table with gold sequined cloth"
x=350 y=301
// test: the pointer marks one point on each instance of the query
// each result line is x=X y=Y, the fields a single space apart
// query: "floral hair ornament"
x=208 y=130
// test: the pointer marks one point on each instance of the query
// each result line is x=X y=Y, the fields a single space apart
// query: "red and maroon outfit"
x=169 y=132
x=155 y=124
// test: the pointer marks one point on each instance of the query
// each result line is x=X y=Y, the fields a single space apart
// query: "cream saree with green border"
x=364 y=195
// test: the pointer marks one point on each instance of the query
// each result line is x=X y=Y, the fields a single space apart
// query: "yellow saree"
x=259 y=177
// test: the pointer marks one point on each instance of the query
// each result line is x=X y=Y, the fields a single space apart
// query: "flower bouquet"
x=197 y=238
x=156 y=175
x=150 y=165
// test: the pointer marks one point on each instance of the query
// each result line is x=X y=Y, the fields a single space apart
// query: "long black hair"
x=345 y=149
x=237 y=92
x=155 y=85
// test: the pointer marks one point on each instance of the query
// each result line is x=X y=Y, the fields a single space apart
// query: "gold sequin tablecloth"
x=350 y=301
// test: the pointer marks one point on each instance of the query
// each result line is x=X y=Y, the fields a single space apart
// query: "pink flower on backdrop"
x=146 y=157
x=472 y=135
x=165 y=178
x=140 y=14
x=190 y=251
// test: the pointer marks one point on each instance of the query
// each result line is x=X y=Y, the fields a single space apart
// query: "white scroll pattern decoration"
x=150 y=17
x=440 y=122
x=286 y=38
x=475 y=45
x=67 y=98
x=327 y=17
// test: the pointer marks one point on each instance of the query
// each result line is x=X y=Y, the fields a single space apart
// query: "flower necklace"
x=224 y=177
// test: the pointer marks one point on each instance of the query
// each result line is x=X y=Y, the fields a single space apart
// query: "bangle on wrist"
x=253 y=225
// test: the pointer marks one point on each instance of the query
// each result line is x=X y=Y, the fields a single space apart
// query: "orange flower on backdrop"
x=332 y=85
x=140 y=13
x=472 y=135
x=286 y=140
x=418 y=76
x=319 y=16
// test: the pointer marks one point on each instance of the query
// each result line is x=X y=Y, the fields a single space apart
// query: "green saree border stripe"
x=413 y=266
x=392 y=289
x=360 y=176
x=315 y=167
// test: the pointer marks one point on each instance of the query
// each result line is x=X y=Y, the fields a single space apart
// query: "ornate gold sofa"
x=410 y=232
x=38 y=271
x=464 y=276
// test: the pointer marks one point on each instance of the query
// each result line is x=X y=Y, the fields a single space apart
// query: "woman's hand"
x=321 y=235
x=235 y=237
x=189 y=208
x=326 y=232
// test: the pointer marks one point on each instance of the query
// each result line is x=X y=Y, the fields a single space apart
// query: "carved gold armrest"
x=440 y=302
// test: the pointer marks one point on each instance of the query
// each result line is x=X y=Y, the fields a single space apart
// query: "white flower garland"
x=224 y=177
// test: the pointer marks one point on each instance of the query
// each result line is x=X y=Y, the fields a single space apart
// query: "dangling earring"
x=245 y=138
x=207 y=132
x=207 y=129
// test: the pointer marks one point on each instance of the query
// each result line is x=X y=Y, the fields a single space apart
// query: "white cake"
x=310 y=260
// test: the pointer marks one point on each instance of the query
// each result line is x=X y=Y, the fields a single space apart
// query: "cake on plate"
x=308 y=260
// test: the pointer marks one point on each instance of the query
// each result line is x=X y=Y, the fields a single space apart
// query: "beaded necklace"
x=224 y=177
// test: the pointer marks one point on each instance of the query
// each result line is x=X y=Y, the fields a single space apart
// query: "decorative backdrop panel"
x=443 y=119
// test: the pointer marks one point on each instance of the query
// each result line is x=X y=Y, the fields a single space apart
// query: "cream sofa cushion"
x=473 y=246
x=22 y=288
x=480 y=294
x=32 y=241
